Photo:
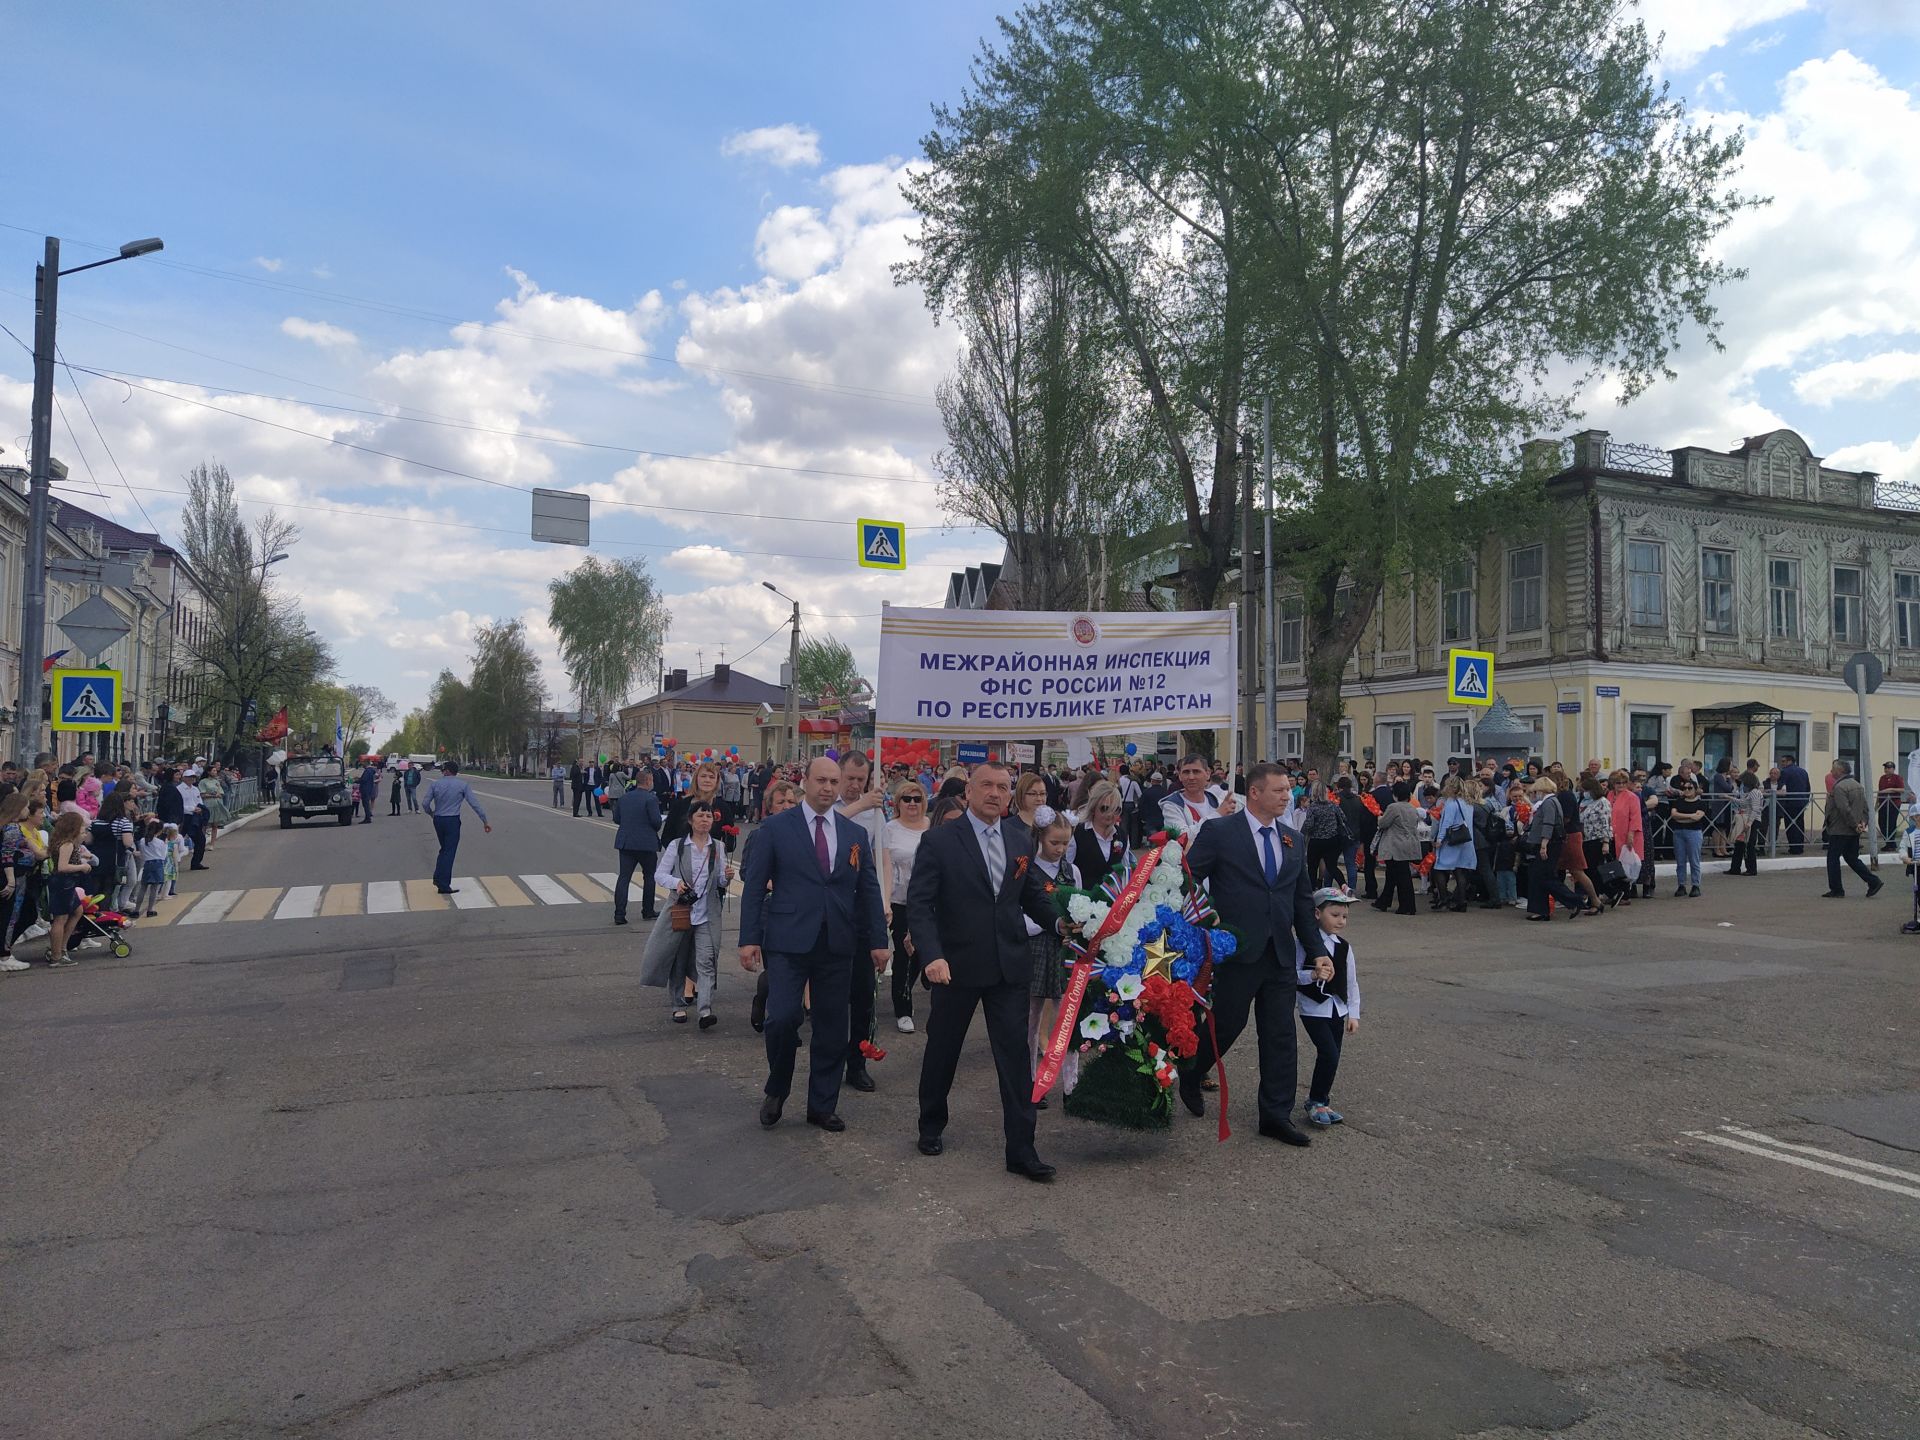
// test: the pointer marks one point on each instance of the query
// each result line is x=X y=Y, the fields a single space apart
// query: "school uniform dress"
x=1325 y=1006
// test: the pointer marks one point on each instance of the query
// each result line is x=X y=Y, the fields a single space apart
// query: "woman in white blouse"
x=695 y=872
x=902 y=839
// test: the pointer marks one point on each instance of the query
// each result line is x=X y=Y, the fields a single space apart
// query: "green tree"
x=826 y=673
x=448 y=717
x=414 y=737
x=504 y=694
x=254 y=644
x=612 y=622
x=1040 y=449
x=1422 y=226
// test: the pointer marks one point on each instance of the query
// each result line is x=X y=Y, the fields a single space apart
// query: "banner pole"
x=1234 y=749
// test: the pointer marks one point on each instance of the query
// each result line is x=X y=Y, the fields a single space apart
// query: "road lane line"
x=1834 y=1170
x=531 y=805
x=385 y=897
x=1818 y=1154
x=212 y=908
x=421 y=895
x=255 y=904
x=302 y=902
x=469 y=894
x=341 y=900
x=585 y=888
x=547 y=891
x=503 y=892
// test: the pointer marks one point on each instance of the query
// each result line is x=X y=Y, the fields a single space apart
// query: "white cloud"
x=792 y=243
x=271 y=266
x=1833 y=262
x=319 y=332
x=1884 y=457
x=1868 y=379
x=1693 y=28
x=706 y=562
x=787 y=146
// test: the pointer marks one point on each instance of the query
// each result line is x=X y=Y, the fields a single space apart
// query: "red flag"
x=276 y=728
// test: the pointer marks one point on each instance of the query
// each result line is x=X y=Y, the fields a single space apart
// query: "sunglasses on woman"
x=913 y=799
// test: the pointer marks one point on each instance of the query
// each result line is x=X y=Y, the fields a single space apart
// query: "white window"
x=1346 y=739
x=1291 y=615
x=1906 y=610
x=1646 y=583
x=1716 y=592
x=1291 y=744
x=1645 y=737
x=1456 y=603
x=1526 y=589
x=1783 y=599
x=1847 y=591
x=1453 y=737
x=1393 y=739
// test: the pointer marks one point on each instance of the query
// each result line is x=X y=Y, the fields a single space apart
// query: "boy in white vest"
x=1329 y=1009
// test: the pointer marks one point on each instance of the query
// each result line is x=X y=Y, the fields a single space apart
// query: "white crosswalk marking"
x=301 y=903
x=606 y=877
x=212 y=908
x=549 y=891
x=386 y=897
x=1775 y=1150
x=470 y=894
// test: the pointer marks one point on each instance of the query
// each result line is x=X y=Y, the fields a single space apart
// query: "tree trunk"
x=1332 y=636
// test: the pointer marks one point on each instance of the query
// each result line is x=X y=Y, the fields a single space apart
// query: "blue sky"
x=716 y=184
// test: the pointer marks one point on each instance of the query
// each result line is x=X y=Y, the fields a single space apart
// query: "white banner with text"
x=980 y=674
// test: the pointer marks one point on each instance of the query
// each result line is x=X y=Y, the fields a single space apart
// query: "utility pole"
x=1273 y=633
x=793 y=688
x=1250 y=748
x=33 y=608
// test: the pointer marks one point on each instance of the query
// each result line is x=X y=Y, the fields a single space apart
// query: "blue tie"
x=1273 y=861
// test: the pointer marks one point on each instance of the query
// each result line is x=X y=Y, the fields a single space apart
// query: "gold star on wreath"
x=1160 y=958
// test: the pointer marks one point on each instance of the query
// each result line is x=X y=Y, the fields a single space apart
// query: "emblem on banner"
x=1084 y=630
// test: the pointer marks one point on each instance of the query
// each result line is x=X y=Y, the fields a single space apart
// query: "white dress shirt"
x=980 y=829
x=700 y=861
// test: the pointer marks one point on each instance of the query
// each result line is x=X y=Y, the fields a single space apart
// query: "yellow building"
x=713 y=712
x=1662 y=604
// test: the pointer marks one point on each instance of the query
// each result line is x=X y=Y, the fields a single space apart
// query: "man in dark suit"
x=636 y=819
x=662 y=784
x=821 y=918
x=1257 y=871
x=973 y=880
x=577 y=778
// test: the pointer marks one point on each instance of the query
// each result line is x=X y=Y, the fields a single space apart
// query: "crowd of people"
x=84 y=829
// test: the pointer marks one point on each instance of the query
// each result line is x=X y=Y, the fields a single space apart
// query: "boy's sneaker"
x=92 y=942
x=904 y=1025
x=62 y=962
x=1322 y=1115
x=10 y=962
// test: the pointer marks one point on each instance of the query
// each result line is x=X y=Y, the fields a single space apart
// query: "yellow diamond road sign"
x=883 y=544
x=1470 y=677
x=86 y=699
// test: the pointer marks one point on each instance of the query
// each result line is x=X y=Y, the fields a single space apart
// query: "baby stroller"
x=96 y=921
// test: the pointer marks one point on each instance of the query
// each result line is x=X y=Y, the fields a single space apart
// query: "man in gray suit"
x=636 y=835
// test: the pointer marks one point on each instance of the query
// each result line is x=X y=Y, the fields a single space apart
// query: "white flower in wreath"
x=1123 y=1028
x=1129 y=987
x=1096 y=1027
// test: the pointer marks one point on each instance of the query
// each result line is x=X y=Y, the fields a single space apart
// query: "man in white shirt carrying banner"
x=1193 y=804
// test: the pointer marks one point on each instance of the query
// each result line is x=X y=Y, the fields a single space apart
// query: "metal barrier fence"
x=1788 y=824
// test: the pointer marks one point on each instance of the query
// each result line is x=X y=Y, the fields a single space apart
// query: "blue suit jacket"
x=636 y=816
x=786 y=904
x=1224 y=855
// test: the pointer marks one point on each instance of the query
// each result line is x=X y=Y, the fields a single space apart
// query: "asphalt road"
x=451 y=1174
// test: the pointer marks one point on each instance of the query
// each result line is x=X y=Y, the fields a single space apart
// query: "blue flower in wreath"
x=1185 y=968
x=1224 y=944
x=1112 y=975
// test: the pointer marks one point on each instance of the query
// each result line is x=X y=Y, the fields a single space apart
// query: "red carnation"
x=871 y=1051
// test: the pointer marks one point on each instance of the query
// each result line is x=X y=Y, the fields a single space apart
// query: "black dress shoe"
x=1285 y=1131
x=649 y=914
x=770 y=1111
x=1041 y=1103
x=1875 y=886
x=832 y=1124
x=619 y=919
x=932 y=1145
x=1190 y=1092
x=860 y=1080
x=1035 y=1169
x=1833 y=894
x=449 y=890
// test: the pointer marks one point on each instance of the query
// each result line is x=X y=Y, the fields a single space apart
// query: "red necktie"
x=820 y=845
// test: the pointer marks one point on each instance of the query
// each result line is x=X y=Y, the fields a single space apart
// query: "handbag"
x=680 y=917
x=1458 y=834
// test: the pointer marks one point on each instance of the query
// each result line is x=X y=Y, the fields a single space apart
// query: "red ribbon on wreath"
x=1069 y=1014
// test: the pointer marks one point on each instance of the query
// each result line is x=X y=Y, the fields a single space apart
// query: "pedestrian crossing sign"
x=883 y=544
x=1470 y=677
x=86 y=699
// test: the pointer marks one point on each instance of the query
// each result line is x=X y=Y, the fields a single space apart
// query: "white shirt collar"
x=980 y=827
x=1255 y=824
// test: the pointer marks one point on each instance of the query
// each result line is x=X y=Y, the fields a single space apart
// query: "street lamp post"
x=33 y=609
x=793 y=677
